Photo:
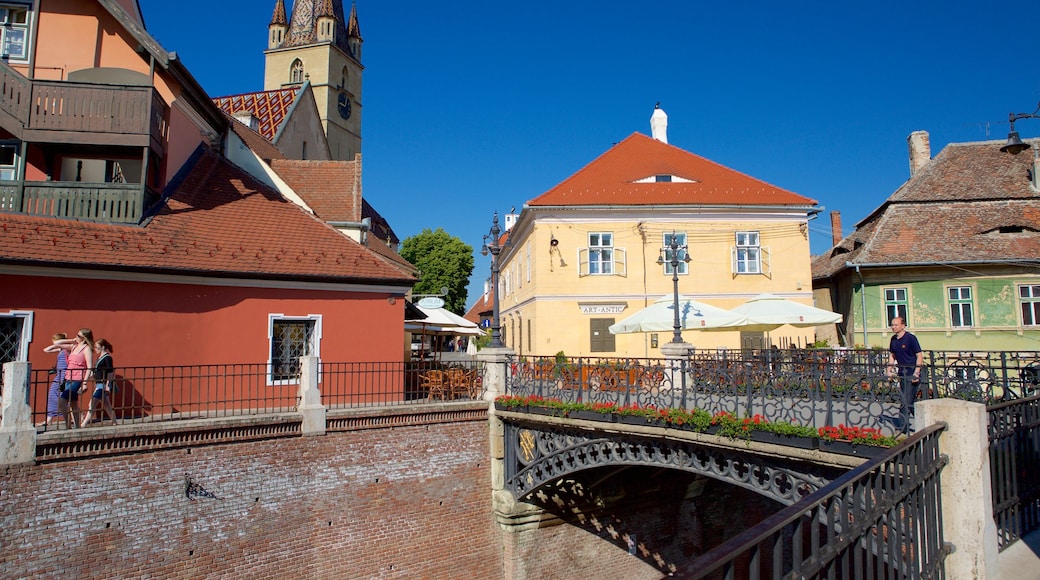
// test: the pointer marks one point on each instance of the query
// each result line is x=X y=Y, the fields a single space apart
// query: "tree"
x=444 y=261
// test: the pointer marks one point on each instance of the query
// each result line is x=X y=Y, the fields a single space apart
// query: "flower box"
x=586 y=415
x=641 y=420
x=850 y=448
x=785 y=440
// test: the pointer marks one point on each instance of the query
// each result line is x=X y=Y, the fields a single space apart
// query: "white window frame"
x=315 y=346
x=748 y=256
x=667 y=251
x=1029 y=294
x=601 y=253
x=961 y=301
x=895 y=306
x=9 y=30
x=27 y=331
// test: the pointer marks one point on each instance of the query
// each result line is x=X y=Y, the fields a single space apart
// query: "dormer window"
x=663 y=178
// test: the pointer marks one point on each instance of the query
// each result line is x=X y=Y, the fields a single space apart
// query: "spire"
x=279 y=13
x=324 y=8
x=353 y=28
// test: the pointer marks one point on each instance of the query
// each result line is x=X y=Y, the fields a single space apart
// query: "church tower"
x=317 y=44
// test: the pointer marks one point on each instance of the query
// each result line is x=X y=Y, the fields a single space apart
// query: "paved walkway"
x=1021 y=561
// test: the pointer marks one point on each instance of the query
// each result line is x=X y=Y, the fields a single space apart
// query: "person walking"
x=80 y=360
x=905 y=359
x=58 y=382
x=104 y=384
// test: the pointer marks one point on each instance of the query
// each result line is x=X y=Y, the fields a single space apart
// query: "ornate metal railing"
x=880 y=520
x=807 y=386
x=1014 y=459
x=177 y=393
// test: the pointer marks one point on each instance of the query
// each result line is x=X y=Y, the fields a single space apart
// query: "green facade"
x=995 y=308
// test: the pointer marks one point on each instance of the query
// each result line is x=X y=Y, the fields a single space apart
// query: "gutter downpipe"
x=863 y=301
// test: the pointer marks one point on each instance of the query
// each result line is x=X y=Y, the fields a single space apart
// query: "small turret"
x=354 y=39
x=325 y=22
x=279 y=25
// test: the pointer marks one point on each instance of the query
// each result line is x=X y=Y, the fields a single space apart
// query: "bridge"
x=568 y=461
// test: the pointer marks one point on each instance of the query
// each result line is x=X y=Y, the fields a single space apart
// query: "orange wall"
x=75 y=35
x=152 y=324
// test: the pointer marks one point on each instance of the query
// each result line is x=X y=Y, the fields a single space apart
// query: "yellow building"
x=584 y=254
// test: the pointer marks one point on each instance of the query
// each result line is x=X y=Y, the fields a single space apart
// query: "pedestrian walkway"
x=1021 y=560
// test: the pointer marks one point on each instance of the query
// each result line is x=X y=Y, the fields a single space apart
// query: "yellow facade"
x=335 y=79
x=550 y=303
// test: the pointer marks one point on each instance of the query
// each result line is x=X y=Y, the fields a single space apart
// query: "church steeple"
x=354 y=39
x=325 y=22
x=278 y=26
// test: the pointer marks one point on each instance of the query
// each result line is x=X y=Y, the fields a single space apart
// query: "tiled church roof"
x=269 y=107
x=279 y=13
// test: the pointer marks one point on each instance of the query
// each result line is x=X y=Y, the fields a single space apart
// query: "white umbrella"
x=693 y=315
x=767 y=312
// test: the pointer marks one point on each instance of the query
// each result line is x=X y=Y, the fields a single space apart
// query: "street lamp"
x=1015 y=145
x=494 y=248
x=674 y=262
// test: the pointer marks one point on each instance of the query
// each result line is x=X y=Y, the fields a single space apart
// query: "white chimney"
x=920 y=151
x=659 y=124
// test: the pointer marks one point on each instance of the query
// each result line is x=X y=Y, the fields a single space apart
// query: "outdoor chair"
x=435 y=384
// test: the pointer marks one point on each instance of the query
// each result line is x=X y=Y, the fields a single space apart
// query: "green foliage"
x=444 y=261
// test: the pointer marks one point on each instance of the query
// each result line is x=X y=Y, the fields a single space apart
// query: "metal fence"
x=814 y=387
x=1014 y=459
x=172 y=393
x=880 y=520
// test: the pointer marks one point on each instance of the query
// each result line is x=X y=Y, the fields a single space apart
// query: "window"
x=680 y=240
x=747 y=254
x=601 y=257
x=15 y=336
x=296 y=71
x=895 y=304
x=601 y=339
x=291 y=338
x=960 y=306
x=14 y=30
x=601 y=253
x=663 y=178
x=8 y=161
x=1029 y=297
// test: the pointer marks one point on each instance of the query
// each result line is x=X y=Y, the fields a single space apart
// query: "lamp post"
x=494 y=248
x=1015 y=145
x=674 y=262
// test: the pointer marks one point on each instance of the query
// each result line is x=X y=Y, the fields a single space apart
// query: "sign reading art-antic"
x=602 y=308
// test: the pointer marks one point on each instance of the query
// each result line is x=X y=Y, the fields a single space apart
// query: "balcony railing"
x=107 y=202
x=113 y=114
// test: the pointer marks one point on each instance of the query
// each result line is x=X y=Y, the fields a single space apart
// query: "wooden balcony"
x=103 y=202
x=40 y=111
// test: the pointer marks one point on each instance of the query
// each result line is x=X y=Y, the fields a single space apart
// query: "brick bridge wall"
x=395 y=502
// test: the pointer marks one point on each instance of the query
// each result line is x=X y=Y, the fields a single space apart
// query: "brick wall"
x=402 y=502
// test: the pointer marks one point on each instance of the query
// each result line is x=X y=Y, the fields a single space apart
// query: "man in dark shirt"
x=905 y=358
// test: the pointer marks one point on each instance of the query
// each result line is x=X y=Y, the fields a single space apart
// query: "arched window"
x=343 y=79
x=296 y=71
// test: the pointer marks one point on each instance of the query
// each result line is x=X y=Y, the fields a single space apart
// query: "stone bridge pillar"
x=17 y=434
x=967 y=504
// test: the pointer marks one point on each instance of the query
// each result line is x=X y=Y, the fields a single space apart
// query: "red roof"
x=218 y=222
x=331 y=188
x=269 y=107
x=613 y=179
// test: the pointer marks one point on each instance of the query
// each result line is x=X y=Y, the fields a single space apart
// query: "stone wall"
x=401 y=502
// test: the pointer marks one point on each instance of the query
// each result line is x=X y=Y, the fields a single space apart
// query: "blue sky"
x=472 y=107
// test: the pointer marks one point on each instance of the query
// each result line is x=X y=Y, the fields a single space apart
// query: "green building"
x=955 y=251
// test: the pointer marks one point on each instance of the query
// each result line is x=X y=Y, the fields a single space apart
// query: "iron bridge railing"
x=880 y=520
x=1014 y=460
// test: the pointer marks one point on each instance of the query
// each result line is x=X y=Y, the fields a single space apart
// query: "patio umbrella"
x=693 y=315
x=767 y=312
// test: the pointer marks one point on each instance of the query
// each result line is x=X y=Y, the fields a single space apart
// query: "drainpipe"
x=863 y=300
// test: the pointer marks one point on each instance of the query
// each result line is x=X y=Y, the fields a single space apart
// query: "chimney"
x=659 y=124
x=836 y=228
x=920 y=151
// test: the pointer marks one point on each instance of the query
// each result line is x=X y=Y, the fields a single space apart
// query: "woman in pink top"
x=80 y=361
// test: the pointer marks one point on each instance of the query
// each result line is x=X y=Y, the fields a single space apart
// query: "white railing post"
x=310 y=407
x=17 y=434
x=967 y=488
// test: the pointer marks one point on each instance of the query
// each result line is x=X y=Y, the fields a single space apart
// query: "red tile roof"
x=218 y=222
x=970 y=204
x=611 y=179
x=269 y=107
x=331 y=188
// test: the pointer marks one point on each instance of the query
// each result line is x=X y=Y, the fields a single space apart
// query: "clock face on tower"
x=344 y=106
